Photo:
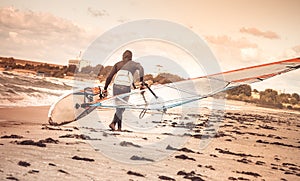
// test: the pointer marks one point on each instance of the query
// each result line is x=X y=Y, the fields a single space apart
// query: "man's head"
x=127 y=55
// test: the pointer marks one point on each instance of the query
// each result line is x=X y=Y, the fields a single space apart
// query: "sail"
x=182 y=92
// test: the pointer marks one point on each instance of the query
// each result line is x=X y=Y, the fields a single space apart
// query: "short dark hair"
x=127 y=53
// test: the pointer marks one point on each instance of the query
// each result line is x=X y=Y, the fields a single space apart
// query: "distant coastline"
x=98 y=72
x=24 y=62
x=266 y=98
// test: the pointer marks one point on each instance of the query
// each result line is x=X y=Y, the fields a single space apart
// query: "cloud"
x=234 y=53
x=229 y=42
x=97 y=13
x=256 y=32
x=249 y=53
x=292 y=52
x=296 y=48
x=123 y=20
x=15 y=19
x=39 y=36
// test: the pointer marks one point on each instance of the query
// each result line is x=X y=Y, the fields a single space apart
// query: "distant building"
x=79 y=63
x=84 y=63
x=74 y=62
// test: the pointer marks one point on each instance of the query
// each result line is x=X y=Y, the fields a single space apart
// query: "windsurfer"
x=124 y=71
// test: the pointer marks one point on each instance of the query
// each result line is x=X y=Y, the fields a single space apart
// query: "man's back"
x=131 y=66
x=128 y=65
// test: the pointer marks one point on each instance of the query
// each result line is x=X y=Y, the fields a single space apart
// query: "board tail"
x=83 y=114
x=74 y=106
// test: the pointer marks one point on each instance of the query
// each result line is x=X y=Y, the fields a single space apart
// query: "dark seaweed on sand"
x=184 y=157
x=236 y=154
x=78 y=136
x=12 y=178
x=191 y=175
x=135 y=174
x=162 y=177
x=82 y=158
x=12 y=136
x=134 y=157
x=249 y=173
x=49 y=140
x=31 y=142
x=62 y=171
x=126 y=143
x=24 y=164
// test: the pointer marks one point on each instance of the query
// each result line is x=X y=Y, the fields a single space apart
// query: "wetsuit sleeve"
x=141 y=72
x=110 y=76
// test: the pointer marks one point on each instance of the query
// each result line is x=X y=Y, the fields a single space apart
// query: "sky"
x=240 y=33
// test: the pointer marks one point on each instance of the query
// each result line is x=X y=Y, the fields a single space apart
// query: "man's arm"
x=141 y=72
x=110 y=76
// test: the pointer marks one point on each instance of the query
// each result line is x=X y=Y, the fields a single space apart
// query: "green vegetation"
x=267 y=98
x=164 y=78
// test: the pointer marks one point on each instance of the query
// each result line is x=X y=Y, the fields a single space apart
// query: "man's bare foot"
x=112 y=126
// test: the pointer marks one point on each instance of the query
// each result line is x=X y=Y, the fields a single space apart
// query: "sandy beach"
x=193 y=77
x=251 y=144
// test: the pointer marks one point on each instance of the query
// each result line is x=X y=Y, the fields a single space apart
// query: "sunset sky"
x=240 y=33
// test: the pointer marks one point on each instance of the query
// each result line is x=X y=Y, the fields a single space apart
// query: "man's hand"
x=142 y=86
x=104 y=93
x=96 y=90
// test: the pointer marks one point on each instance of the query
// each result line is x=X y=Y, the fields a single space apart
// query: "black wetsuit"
x=132 y=67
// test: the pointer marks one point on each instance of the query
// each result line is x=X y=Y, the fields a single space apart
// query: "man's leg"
x=117 y=119
x=119 y=116
x=119 y=111
x=112 y=125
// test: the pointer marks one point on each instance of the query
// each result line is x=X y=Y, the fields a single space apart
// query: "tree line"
x=268 y=97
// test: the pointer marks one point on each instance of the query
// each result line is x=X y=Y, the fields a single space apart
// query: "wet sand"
x=251 y=144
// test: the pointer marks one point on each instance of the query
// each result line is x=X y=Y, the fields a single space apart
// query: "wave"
x=29 y=90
